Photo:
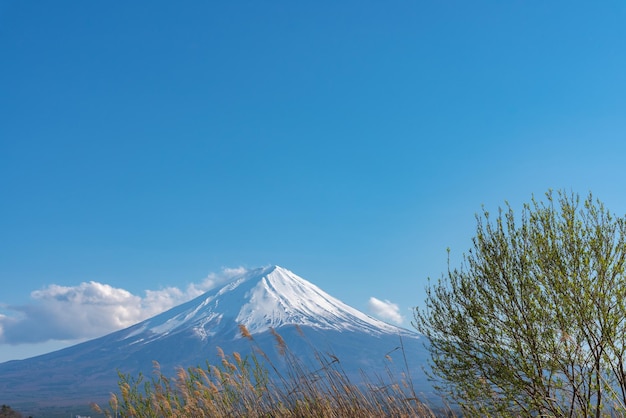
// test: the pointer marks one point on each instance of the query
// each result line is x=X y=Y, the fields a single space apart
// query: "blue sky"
x=146 y=146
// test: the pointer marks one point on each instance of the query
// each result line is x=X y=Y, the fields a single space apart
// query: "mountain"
x=262 y=300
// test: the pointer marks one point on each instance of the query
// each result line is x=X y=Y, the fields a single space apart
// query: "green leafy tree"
x=533 y=322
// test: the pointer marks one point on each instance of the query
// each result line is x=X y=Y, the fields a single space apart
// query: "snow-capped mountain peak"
x=260 y=299
x=280 y=297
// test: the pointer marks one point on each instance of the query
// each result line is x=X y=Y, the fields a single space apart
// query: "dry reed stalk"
x=242 y=388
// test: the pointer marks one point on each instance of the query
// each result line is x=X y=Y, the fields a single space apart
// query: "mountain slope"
x=188 y=335
x=260 y=299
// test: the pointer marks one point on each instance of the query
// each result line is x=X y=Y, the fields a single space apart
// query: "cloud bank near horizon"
x=92 y=309
x=385 y=310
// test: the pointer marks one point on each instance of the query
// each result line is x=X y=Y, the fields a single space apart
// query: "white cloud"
x=213 y=279
x=92 y=309
x=385 y=310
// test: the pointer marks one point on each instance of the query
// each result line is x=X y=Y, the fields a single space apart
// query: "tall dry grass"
x=253 y=386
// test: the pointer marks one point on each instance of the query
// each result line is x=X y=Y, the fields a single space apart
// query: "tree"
x=533 y=323
x=7 y=412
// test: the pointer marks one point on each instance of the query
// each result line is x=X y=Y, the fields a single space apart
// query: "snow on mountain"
x=308 y=319
x=262 y=299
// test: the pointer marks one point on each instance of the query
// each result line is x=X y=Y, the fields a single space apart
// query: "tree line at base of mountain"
x=7 y=412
